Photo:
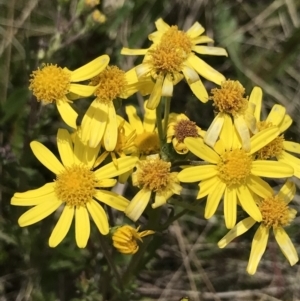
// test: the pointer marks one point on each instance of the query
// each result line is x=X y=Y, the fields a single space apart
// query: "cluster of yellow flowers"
x=238 y=151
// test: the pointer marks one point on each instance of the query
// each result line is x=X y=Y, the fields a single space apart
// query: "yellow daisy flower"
x=125 y=239
x=51 y=84
x=100 y=120
x=232 y=107
x=152 y=176
x=180 y=127
x=77 y=188
x=276 y=214
x=233 y=173
x=279 y=148
x=146 y=140
x=172 y=57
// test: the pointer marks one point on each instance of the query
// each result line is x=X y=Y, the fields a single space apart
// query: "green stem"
x=110 y=262
x=166 y=115
x=159 y=125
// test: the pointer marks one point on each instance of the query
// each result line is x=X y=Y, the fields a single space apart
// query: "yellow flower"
x=125 y=239
x=98 y=16
x=100 y=120
x=152 y=176
x=172 y=57
x=232 y=172
x=77 y=188
x=276 y=214
x=52 y=84
x=146 y=140
x=92 y=3
x=279 y=148
x=231 y=104
x=180 y=127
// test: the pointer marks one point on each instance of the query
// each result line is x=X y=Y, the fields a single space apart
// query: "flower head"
x=152 y=176
x=233 y=173
x=77 y=188
x=233 y=110
x=126 y=238
x=179 y=128
x=276 y=214
x=52 y=84
x=172 y=57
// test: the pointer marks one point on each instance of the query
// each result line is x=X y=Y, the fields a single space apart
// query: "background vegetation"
x=263 y=42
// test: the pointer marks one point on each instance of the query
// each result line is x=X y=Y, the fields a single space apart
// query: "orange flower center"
x=185 y=128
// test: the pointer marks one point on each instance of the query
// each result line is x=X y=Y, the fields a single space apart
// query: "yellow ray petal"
x=202 y=40
x=161 y=25
x=259 y=186
x=38 y=212
x=111 y=131
x=99 y=216
x=161 y=199
x=134 y=119
x=287 y=191
x=207 y=186
x=198 y=148
x=131 y=77
x=208 y=50
x=112 y=199
x=256 y=98
x=67 y=113
x=239 y=229
x=291 y=146
x=90 y=69
x=213 y=199
x=167 y=87
x=128 y=51
x=82 y=90
x=82 y=226
x=286 y=123
x=230 y=203
x=286 y=245
x=247 y=202
x=227 y=132
x=149 y=119
x=276 y=115
x=214 y=130
x=205 y=70
x=259 y=244
x=271 y=169
x=65 y=147
x=110 y=170
x=199 y=90
x=155 y=96
x=35 y=196
x=62 y=227
x=243 y=131
x=197 y=173
x=138 y=204
x=195 y=30
x=91 y=155
x=79 y=151
x=46 y=157
x=262 y=138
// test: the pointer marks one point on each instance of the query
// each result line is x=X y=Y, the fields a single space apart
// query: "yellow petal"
x=131 y=77
x=128 y=51
x=112 y=199
x=230 y=203
x=197 y=173
x=138 y=204
x=256 y=98
x=99 y=216
x=239 y=229
x=62 y=227
x=190 y=74
x=155 y=96
x=111 y=131
x=82 y=226
x=286 y=123
x=161 y=199
x=287 y=191
x=243 y=131
x=198 y=148
x=213 y=132
x=134 y=119
x=291 y=146
x=227 y=132
x=35 y=196
x=91 y=69
x=167 y=87
x=202 y=40
x=199 y=90
x=67 y=113
x=161 y=25
x=259 y=186
x=65 y=147
x=38 y=212
x=271 y=169
x=213 y=199
x=286 y=245
x=46 y=157
x=195 y=30
x=276 y=115
x=259 y=244
x=247 y=202
x=82 y=90
x=205 y=70
x=110 y=170
x=208 y=50
x=149 y=119
x=207 y=186
x=262 y=138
